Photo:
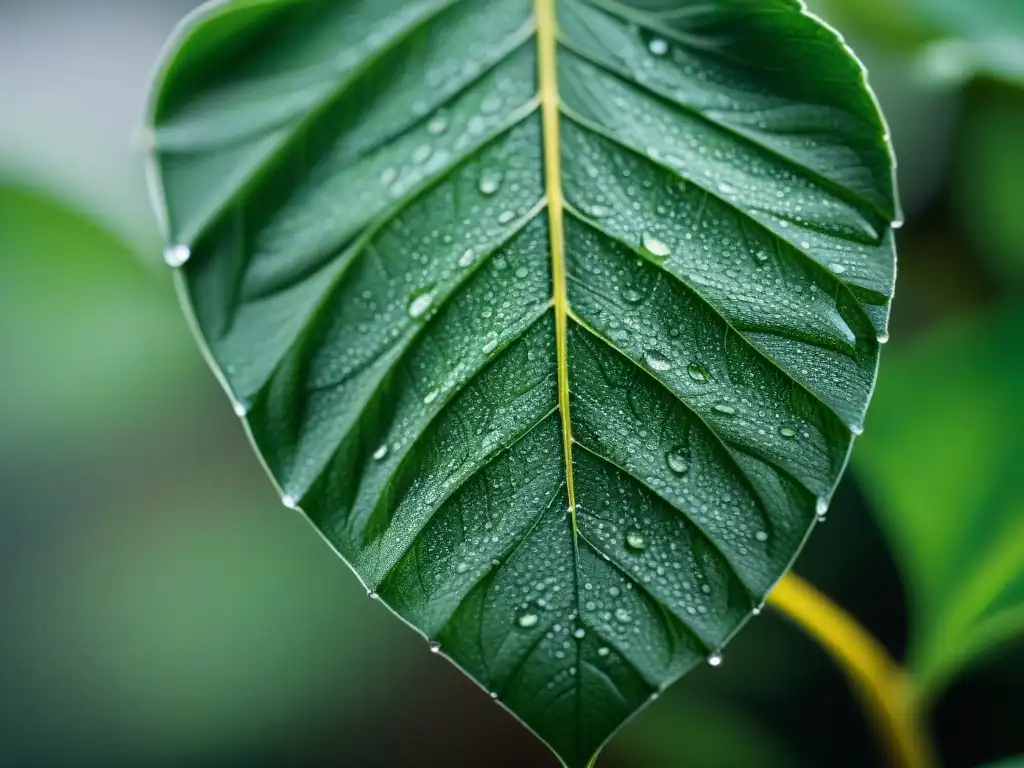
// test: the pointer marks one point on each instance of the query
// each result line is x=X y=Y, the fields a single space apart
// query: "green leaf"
x=941 y=463
x=561 y=343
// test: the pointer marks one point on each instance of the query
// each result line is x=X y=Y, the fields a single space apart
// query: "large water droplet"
x=698 y=372
x=289 y=501
x=715 y=659
x=787 y=432
x=431 y=396
x=467 y=258
x=435 y=647
x=657 y=46
x=725 y=410
x=420 y=304
x=580 y=633
x=380 y=453
x=623 y=616
x=506 y=217
x=490 y=183
x=837 y=268
x=176 y=255
x=631 y=295
x=656 y=361
x=821 y=508
x=635 y=541
x=655 y=247
x=528 y=620
x=677 y=462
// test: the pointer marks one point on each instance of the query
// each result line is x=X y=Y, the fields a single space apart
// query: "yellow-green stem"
x=880 y=682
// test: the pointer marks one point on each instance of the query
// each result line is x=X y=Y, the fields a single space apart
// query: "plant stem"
x=881 y=683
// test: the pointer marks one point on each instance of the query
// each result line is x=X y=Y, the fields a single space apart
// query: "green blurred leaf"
x=686 y=732
x=376 y=265
x=988 y=186
x=941 y=462
x=91 y=339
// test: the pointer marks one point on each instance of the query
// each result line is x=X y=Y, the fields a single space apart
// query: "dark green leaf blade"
x=435 y=254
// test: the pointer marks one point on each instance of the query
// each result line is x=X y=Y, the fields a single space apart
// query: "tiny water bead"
x=635 y=541
x=435 y=647
x=380 y=453
x=656 y=361
x=528 y=620
x=580 y=633
x=467 y=258
x=437 y=125
x=177 y=255
x=462 y=567
x=654 y=246
x=715 y=659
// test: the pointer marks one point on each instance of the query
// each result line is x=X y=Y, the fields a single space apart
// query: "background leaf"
x=954 y=508
x=574 y=447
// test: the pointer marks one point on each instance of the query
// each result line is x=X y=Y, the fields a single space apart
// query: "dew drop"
x=787 y=432
x=698 y=372
x=837 y=268
x=725 y=410
x=289 y=501
x=420 y=304
x=380 y=453
x=437 y=125
x=658 y=47
x=489 y=183
x=467 y=258
x=761 y=536
x=388 y=177
x=430 y=397
x=821 y=508
x=622 y=615
x=715 y=659
x=580 y=633
x=422 y=154
x=603 y=651
x=856 y=429
x=176 y=255
x=522 y=272
x=655 y=247
x=677 y=462
x=631 y=295
x=883 y=337
x=656 y=361
x=240 y=410
x=635 y=541
x=528 y=620
x=462 y=567
x=435 y=647
x=372 y=594
x=506 y=217
x=490 y=346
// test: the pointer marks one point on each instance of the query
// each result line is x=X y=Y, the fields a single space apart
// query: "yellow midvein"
x=548 y=76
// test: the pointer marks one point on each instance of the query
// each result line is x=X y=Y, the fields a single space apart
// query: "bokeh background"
x=159 y=606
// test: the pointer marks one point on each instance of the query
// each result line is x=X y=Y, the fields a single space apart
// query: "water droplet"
x=756 y=610
x=897 y=224
x=467 y=258
x=372 y=594
x=580 y=633
x=528 y=620
x=240 y=410
x=787 y=432
x=599 y=211
x=388 y=177
x=490 y=183
x=420 y=304
x=656 y=361
x=635 y=541
x=431 y=396
x=657 y=46
x=761 y=536
x=677 y=462
x=631 y=295
x=821 y=508
x=462 y=567
x=603 y=651
x=435 y=647
x=715 y=659
x=176 y=255
x=725 y=410
x=506 y=217
x=522 y=272
x=380 y=453
x=698 y=372
x=490 y=346
x=622 y=615
x=655 y=247
x=837 y=268
x=437 y=125
x=883 y=337
x=289 y=501
x=422 y=154
x=493 y=695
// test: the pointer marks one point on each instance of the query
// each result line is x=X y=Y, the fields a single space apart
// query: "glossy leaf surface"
x=556 y=318
x=954 y=508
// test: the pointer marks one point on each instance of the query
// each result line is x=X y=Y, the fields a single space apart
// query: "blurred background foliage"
x=159 y=606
